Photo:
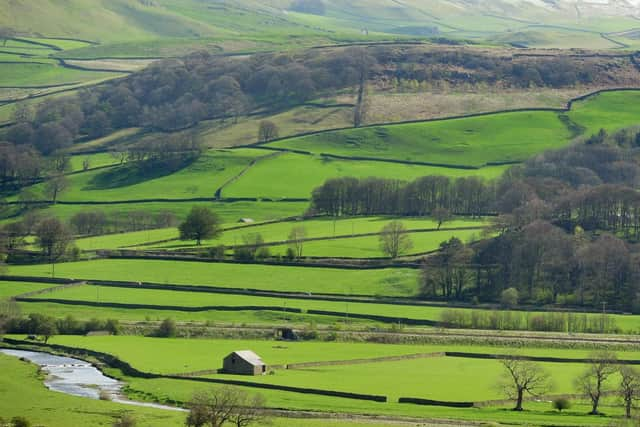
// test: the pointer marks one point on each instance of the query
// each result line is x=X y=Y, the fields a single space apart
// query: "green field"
x=322 y=227
x=296 y=175
x=206 y=354
x=44 y=75
x=123 y=240
x=448 y=379
x=228 y=212
x=92 y=294
x=390 y=282
x=369 y=246
x=610 y=111
x=273 y=232
x=95 y=161
x=11 y=289
x=538 y=414
x=200 y=179
x=472 y=142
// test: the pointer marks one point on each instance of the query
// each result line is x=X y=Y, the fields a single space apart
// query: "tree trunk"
x=519 y=401
x=594 y=408
x=627 y=407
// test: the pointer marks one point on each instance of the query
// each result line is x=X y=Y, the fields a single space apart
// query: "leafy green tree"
x=509 y=298
x=44 y=326
x=201 y=223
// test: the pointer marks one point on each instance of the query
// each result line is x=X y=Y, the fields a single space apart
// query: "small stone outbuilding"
x=244 y=362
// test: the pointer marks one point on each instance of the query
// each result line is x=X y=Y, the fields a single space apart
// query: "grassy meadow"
x=229 y=212
x=469 y=142
x=200 y=179
x=220 y=304
x=290 y=175
x=321 y=228
x=390 y=282
x=369 y=246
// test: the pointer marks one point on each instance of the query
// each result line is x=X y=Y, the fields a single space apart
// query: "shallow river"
x=78 y=378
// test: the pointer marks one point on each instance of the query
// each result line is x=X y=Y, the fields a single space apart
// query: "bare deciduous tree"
x=6 y=34
x=215 y=408
x=629 y=389
x=56 y=186
x=592 y=383
x=296 y=240
x=441 y=215
x=268 y=131
x=54 y=239
x=394 y=239
x=523 y=377
x=249 y=411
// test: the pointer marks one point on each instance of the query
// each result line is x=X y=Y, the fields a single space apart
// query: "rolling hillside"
x=251 y=24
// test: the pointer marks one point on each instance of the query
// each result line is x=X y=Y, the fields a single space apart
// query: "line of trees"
x=350 y=196
x=529 y=321
x=45 y=327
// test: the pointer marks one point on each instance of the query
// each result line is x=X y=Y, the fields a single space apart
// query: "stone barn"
x=243 y=363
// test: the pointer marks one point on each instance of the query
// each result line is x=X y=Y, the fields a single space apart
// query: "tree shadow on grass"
x=135 y=173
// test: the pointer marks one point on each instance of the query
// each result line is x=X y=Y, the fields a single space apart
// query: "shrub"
x=167 y=329
x=509 y=298
x=263 y=253
x=290 y=255
x=20 y=422
x=217 y=252
x=125 y=420
x=561 y=403
x=113 y=326
x=242 y=254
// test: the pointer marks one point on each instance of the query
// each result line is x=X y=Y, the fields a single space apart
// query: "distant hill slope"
x=280 y=23
x=124 y=20
x=98 y=20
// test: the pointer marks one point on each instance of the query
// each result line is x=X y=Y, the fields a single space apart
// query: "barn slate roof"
x=249 y=356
